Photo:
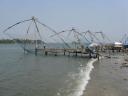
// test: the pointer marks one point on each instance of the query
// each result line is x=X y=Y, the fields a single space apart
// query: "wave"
x=84 y=78
x=77 y=82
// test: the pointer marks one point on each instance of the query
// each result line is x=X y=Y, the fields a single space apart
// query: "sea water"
x=29 y=75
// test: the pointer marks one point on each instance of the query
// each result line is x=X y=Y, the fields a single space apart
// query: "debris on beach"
x=124 y=65
x=105 y=88
x=126 y=60
x=116 y=63
x=125 y=79
x=108 y=56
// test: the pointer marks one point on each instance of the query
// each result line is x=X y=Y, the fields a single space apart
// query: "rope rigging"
x=23 y=43
x=54 y=33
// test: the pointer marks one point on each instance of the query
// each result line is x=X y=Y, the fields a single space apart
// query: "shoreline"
x=109 y=77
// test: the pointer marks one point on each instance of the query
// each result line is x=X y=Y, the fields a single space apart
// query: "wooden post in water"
x=64 y=52
x=90 y=56
x=35 y=51
x=55 y=53
x=76 y=53
x=98 y=56
x=97 y=53
x=46 y=53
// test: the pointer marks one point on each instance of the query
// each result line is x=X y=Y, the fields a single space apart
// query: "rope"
x=54 y=32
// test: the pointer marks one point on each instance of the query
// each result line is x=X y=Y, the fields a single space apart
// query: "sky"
x=108 y=16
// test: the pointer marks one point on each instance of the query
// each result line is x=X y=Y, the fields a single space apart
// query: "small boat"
x=125 y=46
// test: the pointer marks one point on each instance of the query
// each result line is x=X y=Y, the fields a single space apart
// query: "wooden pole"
x=64 y=51
x=76 y=53
x=46 y=53
x=35 y=51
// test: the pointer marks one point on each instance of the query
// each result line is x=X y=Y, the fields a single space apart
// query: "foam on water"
x=84 y=77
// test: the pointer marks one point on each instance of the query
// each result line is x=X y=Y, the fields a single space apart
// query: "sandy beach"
x=109 y=77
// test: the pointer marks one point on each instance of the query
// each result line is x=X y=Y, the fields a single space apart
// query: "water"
x=29 y=75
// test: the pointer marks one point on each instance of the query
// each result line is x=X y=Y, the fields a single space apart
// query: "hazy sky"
x=109 y=16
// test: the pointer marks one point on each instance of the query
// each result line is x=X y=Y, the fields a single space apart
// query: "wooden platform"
x=65 y=51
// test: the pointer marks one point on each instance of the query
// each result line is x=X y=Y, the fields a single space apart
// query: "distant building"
x=118 y=45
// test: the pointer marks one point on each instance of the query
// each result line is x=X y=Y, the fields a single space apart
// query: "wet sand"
x=109 y=77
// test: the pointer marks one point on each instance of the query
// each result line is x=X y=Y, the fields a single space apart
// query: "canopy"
x=93 y=45
x=118 y=44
